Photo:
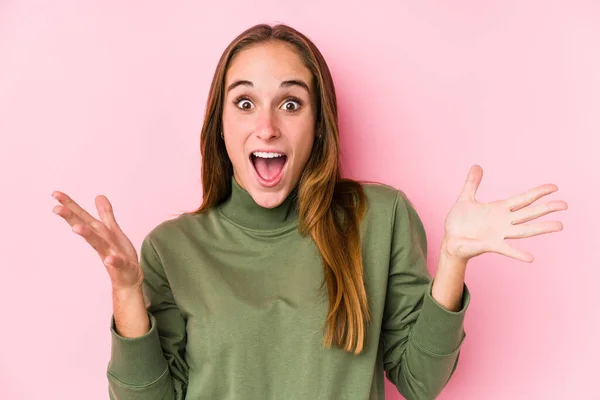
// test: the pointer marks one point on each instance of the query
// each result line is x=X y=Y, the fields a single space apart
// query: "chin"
x=269 y=198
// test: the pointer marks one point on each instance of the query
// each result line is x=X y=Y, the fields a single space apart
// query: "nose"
x=266 y=126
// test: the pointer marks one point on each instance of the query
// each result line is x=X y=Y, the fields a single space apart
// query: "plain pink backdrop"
x=108 y=97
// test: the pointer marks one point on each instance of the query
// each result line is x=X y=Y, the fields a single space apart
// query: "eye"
x=292 y=105
x=244 y=103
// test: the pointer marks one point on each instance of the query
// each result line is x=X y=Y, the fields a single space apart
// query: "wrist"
x=125 y=294
x=449 y=280
x=450 y=251
x=130 y=312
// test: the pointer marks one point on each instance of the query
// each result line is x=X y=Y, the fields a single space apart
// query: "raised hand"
x=473 y=228
x=106 y=237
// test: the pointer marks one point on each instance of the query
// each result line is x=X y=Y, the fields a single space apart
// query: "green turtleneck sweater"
x=236 y=311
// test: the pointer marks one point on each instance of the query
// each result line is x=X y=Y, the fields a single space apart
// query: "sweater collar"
x=241 y=209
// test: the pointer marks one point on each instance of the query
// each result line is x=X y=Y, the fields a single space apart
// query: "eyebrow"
x=284 y=84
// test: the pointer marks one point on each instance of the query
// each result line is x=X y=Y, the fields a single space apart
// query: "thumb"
x=471 y=183
x=114 y=261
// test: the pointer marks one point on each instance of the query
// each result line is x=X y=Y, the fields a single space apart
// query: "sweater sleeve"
x=151 y=367
x=421 y=339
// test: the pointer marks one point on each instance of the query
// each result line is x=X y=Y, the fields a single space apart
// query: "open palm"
x=473 y=228
x=105 y=236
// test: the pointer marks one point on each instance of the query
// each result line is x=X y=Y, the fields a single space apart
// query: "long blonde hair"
x=330 y=207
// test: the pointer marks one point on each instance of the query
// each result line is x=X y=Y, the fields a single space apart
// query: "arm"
x=421 y=339
x=151 y=365
x=147 y=359
x=449 y=281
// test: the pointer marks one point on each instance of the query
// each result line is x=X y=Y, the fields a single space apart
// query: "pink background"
x=101 y=97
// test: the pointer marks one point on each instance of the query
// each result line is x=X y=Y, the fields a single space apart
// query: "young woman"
x=289 y=281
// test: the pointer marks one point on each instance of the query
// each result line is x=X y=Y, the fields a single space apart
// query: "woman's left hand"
x=474 y=228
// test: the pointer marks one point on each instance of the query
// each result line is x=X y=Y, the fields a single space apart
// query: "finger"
x=114 y=261
x=527 y=214
x=115 y=264
x=67 y=215
x=119 y=261
x=97 y=242
x=105 y=210
x=529 y=230
x=523 y=200
x=104 y=232
x=72 y=219
x=507 y=250
x=73 y=206
x=471 y=183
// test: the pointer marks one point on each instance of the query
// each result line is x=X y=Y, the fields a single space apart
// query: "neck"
x=241 y=209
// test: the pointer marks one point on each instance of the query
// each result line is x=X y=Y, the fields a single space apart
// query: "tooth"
x=263 y=154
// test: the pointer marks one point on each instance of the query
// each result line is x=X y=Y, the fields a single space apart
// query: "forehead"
x=275 y=61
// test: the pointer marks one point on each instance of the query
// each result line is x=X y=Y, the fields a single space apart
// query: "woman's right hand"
x=106 y=237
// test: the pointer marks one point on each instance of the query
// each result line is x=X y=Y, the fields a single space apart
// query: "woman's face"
x=268 y=120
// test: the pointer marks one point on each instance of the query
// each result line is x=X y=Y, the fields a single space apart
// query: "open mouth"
x=268 y=166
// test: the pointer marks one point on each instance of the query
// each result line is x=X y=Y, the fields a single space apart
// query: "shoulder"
x=390 y=207
x=178 y=227
x=382 y=197
x=379 y=192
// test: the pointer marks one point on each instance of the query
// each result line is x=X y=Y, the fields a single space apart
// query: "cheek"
x=234 y=128
x=235 y=148
x=304 y=142
x=233 y=145
x=231 y=121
